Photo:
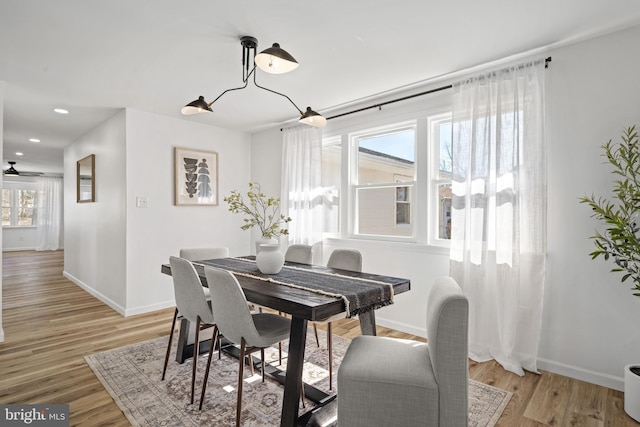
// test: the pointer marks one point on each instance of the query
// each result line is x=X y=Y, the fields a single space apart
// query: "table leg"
x=293 y=382
x=181 y=353
x=368 y=323
x=184 y=350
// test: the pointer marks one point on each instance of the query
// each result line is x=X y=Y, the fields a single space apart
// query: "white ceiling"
x=96 y=57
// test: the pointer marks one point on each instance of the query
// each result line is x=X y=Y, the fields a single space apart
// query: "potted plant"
x=264 y=212
x=620 y=241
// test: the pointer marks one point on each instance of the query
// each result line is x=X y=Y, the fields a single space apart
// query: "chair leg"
x=330 y=350
x=315 y=331
x=206 y=372
x=243 y=345
x=262 y=362
x=166 y=358
x=279 y=353
x=196 y=349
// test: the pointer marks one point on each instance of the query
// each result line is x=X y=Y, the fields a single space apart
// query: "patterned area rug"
x=131 y=374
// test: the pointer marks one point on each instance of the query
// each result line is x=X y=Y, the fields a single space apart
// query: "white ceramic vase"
x=270 y=259
x=632 y=391
x=263 y=240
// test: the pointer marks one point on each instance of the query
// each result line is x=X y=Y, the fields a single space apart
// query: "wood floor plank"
x=548 y=404
x=42 y=358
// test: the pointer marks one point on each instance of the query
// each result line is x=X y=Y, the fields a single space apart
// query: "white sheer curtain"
x=498 y=240
x=302 y=196
x=49 y=214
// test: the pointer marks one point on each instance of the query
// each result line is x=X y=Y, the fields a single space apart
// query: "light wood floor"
x=50 y=324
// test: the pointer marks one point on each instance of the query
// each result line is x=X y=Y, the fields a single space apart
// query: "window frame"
x=353 y=184
x=434 y=178
x=335 y=141
x=14 y=204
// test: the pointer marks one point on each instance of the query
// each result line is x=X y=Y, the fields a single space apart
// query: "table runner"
x=361 y=293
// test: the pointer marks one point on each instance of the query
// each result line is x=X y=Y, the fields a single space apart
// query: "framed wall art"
x=196 y=177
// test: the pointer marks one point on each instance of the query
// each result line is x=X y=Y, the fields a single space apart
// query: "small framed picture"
x=196 y=177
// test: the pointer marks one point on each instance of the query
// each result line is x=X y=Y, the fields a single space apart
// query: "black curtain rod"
x=546 y=65
x=404 y=98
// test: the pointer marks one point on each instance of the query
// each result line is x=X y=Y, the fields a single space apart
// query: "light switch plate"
x=142 y=202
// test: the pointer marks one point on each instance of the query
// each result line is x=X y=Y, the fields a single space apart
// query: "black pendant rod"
x=380 y=105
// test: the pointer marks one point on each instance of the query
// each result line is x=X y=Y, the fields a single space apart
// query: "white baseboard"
x=28 y=249
x=598 y=378
x=149 y=308
x=402 y=327
x=18 y=249
x=117 y=307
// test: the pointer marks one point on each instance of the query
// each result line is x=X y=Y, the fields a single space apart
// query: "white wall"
x=159 y=231
x=94 y=233
x=115 y=250
x=590 y=320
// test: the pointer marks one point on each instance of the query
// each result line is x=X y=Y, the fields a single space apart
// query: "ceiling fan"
x=12 y=171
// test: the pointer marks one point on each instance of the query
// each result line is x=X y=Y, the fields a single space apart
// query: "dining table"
x=306 y=293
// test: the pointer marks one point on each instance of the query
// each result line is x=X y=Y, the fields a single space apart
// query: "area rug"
x=131 y=375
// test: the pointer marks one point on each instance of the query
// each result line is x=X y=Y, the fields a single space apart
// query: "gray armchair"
x=392 y=382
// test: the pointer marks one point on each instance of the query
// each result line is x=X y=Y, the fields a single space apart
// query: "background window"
x=18 y=207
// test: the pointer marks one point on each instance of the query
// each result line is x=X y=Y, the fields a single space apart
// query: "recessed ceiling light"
x=19 y=154
x=34 y=140
x=61 y=111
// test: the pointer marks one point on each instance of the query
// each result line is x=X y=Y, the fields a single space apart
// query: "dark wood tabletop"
x=301 y=303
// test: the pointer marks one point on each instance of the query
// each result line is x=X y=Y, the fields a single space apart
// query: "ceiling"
x=94 y=58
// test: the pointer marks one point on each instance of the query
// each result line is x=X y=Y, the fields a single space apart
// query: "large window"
x=18 y=207
x=397 y=178
x=384 y=159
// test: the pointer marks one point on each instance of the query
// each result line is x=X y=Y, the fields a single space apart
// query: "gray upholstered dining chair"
x=193 y=254
x=302 y=254
x=342 y=259
x=253 y=331
x=427 y=383
x=192 y=304
x=345 y=259
x=198 y=254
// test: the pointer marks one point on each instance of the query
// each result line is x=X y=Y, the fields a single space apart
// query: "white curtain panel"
x=302 y=193
x=498 y=226
x=49 y=214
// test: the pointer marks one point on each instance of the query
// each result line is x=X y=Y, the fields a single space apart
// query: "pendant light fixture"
x=273 y=60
